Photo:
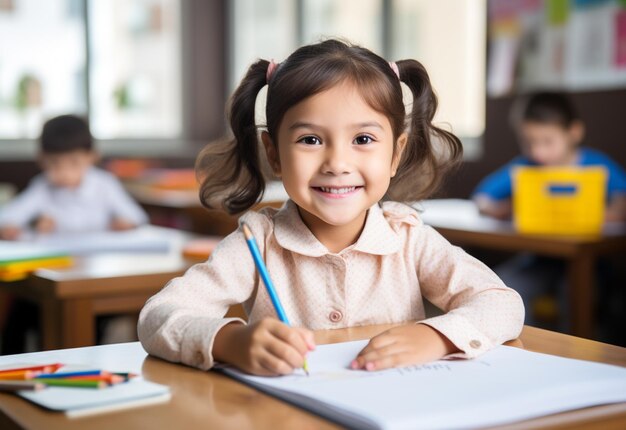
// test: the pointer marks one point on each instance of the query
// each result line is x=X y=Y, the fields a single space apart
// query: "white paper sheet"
x=502 y=386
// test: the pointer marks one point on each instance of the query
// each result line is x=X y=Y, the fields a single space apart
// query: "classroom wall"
x=602 y=111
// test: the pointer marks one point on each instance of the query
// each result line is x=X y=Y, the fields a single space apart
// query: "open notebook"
x=504 y=385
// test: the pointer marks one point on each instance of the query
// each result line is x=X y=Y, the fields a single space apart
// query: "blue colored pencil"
x=72 y=374
x=265 y=276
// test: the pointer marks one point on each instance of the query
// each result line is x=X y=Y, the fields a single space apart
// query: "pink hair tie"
x=395 y=69
x=271 y=68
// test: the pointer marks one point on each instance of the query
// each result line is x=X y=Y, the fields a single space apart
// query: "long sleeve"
x=481 y=311
x=121 y=204
x=26 y=206
x=180 y=322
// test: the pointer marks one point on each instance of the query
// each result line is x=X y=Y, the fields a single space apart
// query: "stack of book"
x=17 y=260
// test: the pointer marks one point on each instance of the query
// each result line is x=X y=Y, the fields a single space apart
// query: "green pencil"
x=77 y=383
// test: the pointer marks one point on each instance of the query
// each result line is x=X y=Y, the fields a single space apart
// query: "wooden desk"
x=459 y=222
x=71 y=299
x=210 y=400
x=185 y=203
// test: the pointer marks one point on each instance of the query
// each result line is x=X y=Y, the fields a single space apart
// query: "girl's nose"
x=337 y=161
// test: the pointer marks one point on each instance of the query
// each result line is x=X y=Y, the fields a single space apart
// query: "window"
x=447 y=36
x=42 y=73
x=115 y=61
x=135 y=68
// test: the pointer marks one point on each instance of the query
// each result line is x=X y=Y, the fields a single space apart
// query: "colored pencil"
x=18 y=375
x=265 y=276
x=58 y=375
x=10 y=386
x=46 y=368
x=68 y=382
x=126 y=375
x=109 y=379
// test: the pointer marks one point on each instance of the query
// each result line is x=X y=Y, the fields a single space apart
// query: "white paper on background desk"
x=504 y=385
x=143 y=239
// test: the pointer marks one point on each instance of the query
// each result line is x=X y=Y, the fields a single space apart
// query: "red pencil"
x=44 y=368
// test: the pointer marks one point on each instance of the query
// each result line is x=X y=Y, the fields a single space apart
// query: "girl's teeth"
x=338 y=190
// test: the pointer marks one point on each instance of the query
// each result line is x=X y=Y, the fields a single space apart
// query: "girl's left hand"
x=403 y=346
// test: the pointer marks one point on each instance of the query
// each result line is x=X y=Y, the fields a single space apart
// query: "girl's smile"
x=338 y=192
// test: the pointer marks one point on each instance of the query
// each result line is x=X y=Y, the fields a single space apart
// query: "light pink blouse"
x=381 y=278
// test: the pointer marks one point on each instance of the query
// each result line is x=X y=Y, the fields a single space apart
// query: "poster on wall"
x=574 y=45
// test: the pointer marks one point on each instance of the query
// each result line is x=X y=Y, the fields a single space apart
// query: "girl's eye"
x=363 y=140
x=310 y=140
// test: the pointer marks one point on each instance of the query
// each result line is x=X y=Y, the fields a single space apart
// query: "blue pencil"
x=71 y=374
x=265 y=276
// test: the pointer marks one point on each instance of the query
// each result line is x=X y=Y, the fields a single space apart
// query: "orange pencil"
x=19 y=375
x=109 y=379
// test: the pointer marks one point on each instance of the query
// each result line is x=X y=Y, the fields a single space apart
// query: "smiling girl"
x=341 y=253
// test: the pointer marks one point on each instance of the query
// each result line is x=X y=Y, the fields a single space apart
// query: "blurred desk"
x=182 y=208
x=207 y=399
x=70 y=299
x=460 y=223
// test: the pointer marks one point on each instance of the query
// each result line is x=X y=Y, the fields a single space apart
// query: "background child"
x=550 y=132
x=71 y=195
x=337 y=135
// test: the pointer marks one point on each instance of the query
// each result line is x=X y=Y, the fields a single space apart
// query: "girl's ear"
x=397 y=156
x=272 y=153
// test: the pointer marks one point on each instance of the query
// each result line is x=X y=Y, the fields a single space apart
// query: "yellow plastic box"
x=559 y=200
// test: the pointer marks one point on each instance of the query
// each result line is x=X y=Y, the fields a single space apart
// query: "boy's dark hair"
x=231 y=172
x=65 y=133
x=545 y=108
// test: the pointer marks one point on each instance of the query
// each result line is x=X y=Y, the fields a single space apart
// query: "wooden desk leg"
x=50 y=324
x=78 y=324
x=581 y=294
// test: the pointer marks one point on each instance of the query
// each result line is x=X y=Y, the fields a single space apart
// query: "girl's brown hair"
x=230 y=170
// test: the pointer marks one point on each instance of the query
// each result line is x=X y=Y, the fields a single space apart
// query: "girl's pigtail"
x=430 y=151
x=230 y=170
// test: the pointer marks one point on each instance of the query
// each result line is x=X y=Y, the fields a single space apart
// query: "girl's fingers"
x=290 y=336
x=373 y=355
x=381 y=341
x=286 y=353
x=272 y=365
x=308 y=337
x=390 y=361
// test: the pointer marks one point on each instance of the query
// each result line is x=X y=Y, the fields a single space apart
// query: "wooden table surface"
x=210 y=400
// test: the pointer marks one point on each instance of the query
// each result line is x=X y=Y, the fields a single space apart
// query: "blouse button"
x=475 y=344
x=335 y=316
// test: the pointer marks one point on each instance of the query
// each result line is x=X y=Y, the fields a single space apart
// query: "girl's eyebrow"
x=300 y=124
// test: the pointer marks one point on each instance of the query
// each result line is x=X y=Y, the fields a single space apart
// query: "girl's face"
x=550 y=144
x=335 y=157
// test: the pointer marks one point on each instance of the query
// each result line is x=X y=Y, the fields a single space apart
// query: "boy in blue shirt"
x=550 y=132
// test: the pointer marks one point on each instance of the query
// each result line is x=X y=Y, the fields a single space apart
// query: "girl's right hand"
x=266 y=348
